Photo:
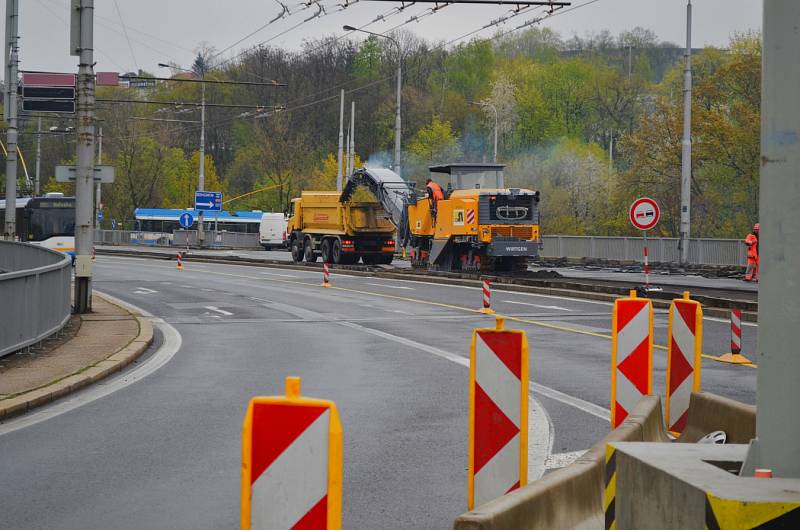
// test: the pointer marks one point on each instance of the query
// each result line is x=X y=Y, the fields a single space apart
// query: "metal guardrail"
x=35 y=294
x=660 y=249
x=217 y=239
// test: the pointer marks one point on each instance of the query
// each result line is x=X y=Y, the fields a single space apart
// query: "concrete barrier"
x=708 y=412
x=571 y=497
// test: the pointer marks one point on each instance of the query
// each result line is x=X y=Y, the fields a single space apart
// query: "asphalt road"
x=662 y=278
x=164 y=451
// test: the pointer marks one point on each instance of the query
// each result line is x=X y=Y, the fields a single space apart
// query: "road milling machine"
x=480 y=225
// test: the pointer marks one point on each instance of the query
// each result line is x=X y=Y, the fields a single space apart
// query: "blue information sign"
x=209 y=201
x=100 y=216
x=186 y=220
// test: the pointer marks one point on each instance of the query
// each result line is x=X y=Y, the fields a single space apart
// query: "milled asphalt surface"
x=165 y=451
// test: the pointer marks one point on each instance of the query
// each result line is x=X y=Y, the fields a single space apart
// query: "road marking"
x=144 y=290
x=207 y=290
x=217 y=310
x=398 y=311
x=392 y=286
x=540 y=426
x=558 y=307
x=460 y=308
x=560 y=460
x=171 y=345
x=280 y=275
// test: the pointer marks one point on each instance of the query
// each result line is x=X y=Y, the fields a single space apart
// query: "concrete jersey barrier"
x=571 y=497
x=709 y=412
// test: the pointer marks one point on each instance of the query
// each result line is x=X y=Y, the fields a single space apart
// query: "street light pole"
x=686 y=143
x=12 y=25
x=397 y=120
x=84 y=177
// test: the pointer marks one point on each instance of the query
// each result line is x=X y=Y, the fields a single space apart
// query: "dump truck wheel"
x=297 y=251
x=336 y=252
x=325 y=248
x=309 y=254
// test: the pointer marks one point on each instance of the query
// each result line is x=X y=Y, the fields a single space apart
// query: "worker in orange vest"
x=752 y=254
x=435 y=194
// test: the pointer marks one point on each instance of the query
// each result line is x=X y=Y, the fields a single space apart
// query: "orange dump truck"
x=339 y=232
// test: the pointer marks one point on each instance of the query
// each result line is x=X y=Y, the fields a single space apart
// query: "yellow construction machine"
x=480 y=225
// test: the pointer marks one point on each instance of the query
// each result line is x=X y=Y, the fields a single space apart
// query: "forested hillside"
x=560 y=103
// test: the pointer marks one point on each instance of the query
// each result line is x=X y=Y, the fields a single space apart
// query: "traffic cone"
x=487 y=297
x=735 y=356
x=326 y=275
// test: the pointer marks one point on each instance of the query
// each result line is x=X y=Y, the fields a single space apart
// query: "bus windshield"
x=49 y=218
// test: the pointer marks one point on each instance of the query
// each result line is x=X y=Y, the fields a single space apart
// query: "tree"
x=435 y=143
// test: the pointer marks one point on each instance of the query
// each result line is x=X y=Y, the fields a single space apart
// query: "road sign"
x=48 y=105
x=48 y=79
x=48 y=92
x=103 y=174
x=99 y=216
x=210 y=201
x=644 y=213
x=186 y=220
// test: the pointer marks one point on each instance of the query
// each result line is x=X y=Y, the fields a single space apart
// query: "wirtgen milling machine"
x=479 y=225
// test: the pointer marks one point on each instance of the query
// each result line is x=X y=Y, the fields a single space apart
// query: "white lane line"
x=144 y=290
x=392 y=286
x=540 y=427
x=560 y=460
x=398 y=311
x=171 y=345
x=558 y=307
x=280 y=275
x=208 y=290
x=217 y=310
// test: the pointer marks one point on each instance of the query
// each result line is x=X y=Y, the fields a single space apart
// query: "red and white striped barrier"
x=631 y=355
x=684 y=348
x=94 y=254
x=291 y=462
x=180 y=261
x=326 y=275
x=487 y=297
x=498 y=413
x=736 y=331
x=735 y=356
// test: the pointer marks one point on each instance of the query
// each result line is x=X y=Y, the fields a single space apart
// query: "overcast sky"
x=171 y=30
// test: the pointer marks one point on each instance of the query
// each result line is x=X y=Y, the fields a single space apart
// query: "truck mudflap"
x=513 y=248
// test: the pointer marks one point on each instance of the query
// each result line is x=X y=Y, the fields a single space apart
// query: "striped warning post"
x=631 y=355
x=487 y=297
x=684 y=348
x=735 y=356
x=326 y=275
x=498 y=413
x=291 y=463
x=180 y=261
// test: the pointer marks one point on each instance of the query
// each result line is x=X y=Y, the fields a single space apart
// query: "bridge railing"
x=660 y=249
x=34 y=294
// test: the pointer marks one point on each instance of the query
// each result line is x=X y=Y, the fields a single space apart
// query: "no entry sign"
x=644 y=213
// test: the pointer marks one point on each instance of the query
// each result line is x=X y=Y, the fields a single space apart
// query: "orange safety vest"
x=752 y=246
x=435 y=191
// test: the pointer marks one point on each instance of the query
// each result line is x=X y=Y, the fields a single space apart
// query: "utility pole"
x=11 y=58
x=201 y=185
x=611 y=152
x=37 y=181
x=686 y=143
x=84 y=174
x=341 y=147
x=98 y=195
x=777 y=443
x=352 y=163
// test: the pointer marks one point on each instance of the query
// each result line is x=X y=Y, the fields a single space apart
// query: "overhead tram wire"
x=125 y=32
x=524 y=25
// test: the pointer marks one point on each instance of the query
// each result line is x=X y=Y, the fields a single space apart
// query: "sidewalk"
x=93 y=347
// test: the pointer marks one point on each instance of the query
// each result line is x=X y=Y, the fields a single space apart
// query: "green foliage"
x=367 y=61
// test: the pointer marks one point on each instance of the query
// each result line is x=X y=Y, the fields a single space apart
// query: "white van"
x=272 y=232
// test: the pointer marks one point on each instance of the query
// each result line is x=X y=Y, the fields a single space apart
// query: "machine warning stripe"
x=728 y=514
x=609 y=501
